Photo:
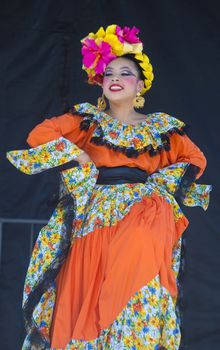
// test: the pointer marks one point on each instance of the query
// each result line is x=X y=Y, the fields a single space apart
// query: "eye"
x=127 y=73
x=108 y=74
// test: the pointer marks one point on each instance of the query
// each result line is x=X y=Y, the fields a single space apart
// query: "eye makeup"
x=123 y=73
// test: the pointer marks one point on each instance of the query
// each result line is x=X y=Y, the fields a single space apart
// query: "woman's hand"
x=83 y=158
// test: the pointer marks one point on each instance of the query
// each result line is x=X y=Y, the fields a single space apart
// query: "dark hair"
x=131 y=57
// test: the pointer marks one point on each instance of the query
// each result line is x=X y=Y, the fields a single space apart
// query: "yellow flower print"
x=63 y=160
x=107 y=217
x=155 y=284
x=44 y=240
x=124 y=143
x=77 y=195
x=153 y=300
x=189 y=201
x=159 y=181
x=163 y=306
x=150 y=340
x=154 y=321
x=143 y=313
x=59 y=220
x=35 y=253
x=25 y=169
x=128 y=341
x=81 y=209
x=139 y=325
x=172 y=343
x=25 y=155
x=45 y=156
x=86 y=171
x=121 y=206
x=47 y=256
x=33 y=268
x=48 y=316
x=172 y=187
x=35 y=158
x=59 y=211
x=172 y=323
x=54 y=238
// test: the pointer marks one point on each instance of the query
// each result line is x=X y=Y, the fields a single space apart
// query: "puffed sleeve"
x=182 y=149
x=66 y=125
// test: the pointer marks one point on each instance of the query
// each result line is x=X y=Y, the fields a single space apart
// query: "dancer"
x=103 y=273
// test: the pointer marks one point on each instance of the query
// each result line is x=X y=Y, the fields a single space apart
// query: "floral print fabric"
x=43 y=157
x=137 y=137
x=100 y=200
x=149 y=318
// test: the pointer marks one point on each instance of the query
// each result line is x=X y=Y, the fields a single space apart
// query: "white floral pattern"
x=137 y=137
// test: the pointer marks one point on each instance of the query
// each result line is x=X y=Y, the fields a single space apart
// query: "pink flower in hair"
x=127 y=34
x=96 y=56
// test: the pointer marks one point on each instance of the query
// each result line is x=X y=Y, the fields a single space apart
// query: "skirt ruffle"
x=117 y=288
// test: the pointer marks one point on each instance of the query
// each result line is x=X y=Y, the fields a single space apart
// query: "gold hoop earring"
x=139 y=101
x=101 y=104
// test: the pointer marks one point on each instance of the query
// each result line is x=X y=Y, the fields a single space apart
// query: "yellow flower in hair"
x=111 y=29
x=117 y=46
x=132 y=48
x=100 y=33
x=100 y=48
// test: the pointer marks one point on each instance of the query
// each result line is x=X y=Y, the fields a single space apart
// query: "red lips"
x=115 y=87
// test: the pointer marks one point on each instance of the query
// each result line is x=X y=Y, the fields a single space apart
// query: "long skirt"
x=117 y=288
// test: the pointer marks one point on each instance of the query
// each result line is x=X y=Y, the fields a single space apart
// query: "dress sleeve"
x=66 y=125
x=182 y=149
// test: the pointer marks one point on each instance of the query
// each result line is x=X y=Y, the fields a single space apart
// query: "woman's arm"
x=66 y=125
x=182 y=149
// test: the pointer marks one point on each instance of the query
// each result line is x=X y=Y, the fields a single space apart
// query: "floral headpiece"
x=101 y=48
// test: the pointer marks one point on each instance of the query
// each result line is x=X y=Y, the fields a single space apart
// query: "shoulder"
x=83 y=109
x=163 y=122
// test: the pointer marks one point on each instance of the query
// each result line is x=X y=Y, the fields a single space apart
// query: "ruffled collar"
x=150 y=135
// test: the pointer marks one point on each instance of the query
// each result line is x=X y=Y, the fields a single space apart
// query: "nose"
x=115 y=78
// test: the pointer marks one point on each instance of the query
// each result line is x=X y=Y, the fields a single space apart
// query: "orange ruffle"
x=105 y=268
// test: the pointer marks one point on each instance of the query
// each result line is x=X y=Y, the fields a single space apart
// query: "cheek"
x=130 y=80
x=105 y=82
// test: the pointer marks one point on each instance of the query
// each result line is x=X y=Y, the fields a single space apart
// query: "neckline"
x=143 y=122
x=105 y=117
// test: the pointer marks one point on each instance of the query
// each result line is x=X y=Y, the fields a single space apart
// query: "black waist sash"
x=120 y=175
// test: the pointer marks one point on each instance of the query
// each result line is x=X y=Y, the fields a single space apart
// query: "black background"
x=41 y=77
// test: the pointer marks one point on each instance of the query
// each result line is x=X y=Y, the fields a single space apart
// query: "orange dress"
x=117 y=288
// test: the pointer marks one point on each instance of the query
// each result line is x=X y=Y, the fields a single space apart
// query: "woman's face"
x=121 y=80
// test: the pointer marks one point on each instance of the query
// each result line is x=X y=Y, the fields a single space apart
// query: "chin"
x=120 y=99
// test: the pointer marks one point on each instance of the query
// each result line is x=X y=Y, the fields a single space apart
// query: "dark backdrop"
x=41 y=76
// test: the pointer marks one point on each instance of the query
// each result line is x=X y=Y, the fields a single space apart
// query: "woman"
x=103 y=274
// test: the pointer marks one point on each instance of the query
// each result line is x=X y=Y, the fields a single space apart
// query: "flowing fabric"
x=116 y=286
